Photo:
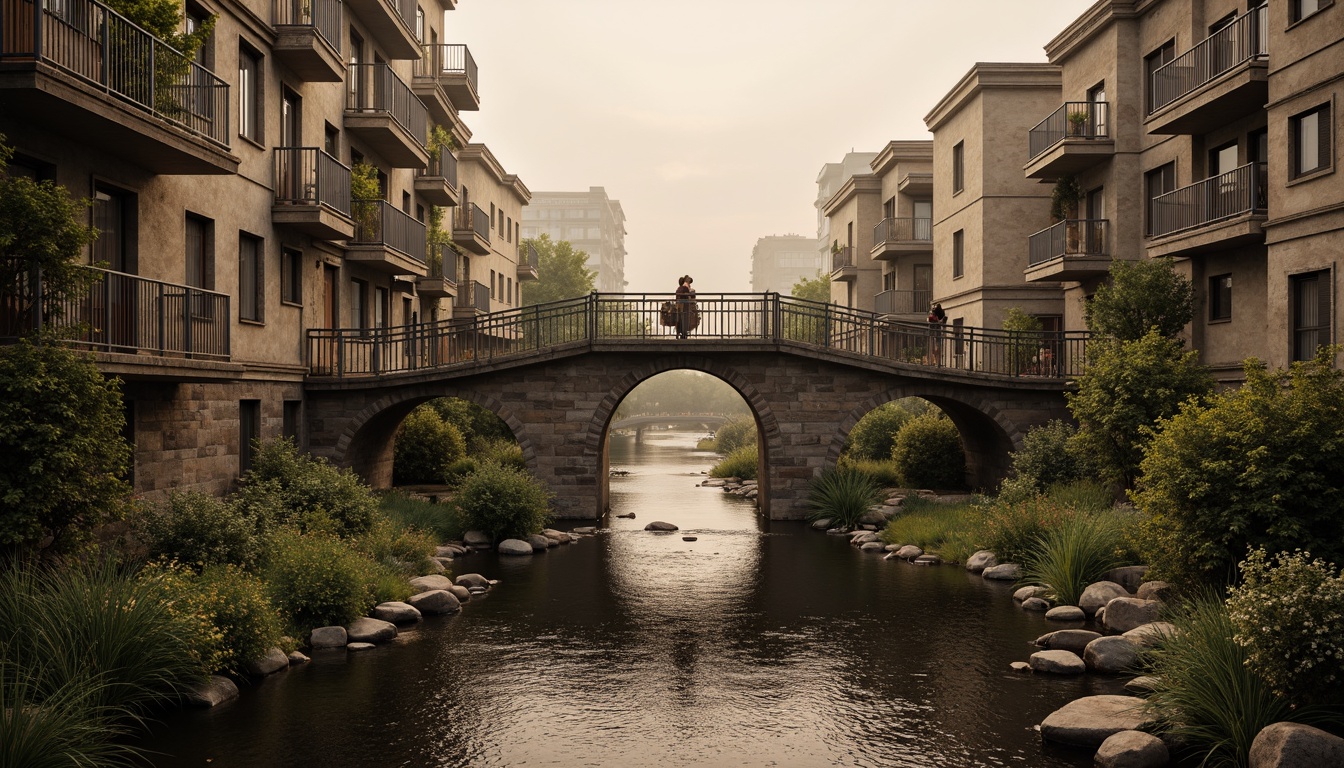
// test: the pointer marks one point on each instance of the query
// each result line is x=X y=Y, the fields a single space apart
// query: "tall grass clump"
x=883 y=471
x=441 y=520
x=505 y=502
x=1076 y=553
x=734 y=434
x=69 y=725
x=1012 y=528
x=741 y=463
x=1206 y=695
x=843 y=496
x=950 y=530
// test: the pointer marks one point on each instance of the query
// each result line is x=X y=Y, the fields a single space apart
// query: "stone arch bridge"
x=556 y=374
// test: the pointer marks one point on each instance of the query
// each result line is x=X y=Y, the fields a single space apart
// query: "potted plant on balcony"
x=1077 y=123
x=1064 y=199
x=365 y=193
x=439 y=140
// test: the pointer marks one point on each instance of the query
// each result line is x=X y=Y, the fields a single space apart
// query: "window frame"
x=958 y=167
x=958 y=254
x=1325 y=300
x=1325 y=150
x=1295 y=14
x=1220 y=298
x=291 y=277
x=251 y=248
x=251 y=92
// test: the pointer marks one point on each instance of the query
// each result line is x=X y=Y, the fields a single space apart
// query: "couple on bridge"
x=687 y=315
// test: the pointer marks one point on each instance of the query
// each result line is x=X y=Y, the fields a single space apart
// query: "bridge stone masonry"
x=558 y=393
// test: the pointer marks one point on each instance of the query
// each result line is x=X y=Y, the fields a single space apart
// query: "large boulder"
x=1113 y=655
x=1099 y=594
x=539 y=543
x=1003 y=572
x=1072 y=640
x=1036 y=604
x=1026 y=593
x=1154 y=590
x=981 y=560
x=1126 y=613
x=659 y=525
x=431 y=582
x=327 y=637
x=1132 y=749
x=470 y=580
x=1151 y=635
x=270 y=662
x=1065 y=613
x=462 y=593
x=1057 y=663
x=909 y=552
x=1293 y=745
x=873 y=546
x=395 y=612
x=515 y=547
x=212 y=692
x=1127 y=576
x=435 y=602
x=1089 y=721
x=366 y=630
x=476 y=539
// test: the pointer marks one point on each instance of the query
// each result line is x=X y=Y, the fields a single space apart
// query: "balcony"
x=842 y=264
x=78 y=68
x=918 y=185
x=529 y=261
x=441 y=282
x=913 y=303
x=1219 y=212
x=312 y=193
x=123 y=314
x=382 y=111
x=308 y=38
x=445 y=79
x=471 y=228
x=1223 y=78
x=1073 y=249
x=386 y=239
x=1073 y=138
x=472 y=300
x=894 y=238
x=392 y=24
x=437 y=183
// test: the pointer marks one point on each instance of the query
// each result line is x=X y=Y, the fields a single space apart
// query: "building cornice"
x=916 y=150
x=481 y=154
x=520 y=189
x=1092 y=22
x=991 y=75
x=858 y=184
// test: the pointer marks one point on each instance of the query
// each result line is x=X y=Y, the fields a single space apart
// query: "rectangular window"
x=1152 y=62
x=331 y=140
x=508 y=230
x=958 y=253
x=508 y=291
x=200 y=252
x=249 y=94
x=291 y=276
x=1310 y=311
x=358 y=290
x=1301 y=9
x=111 y=214
x=381 y=307
x=1220 y=298
x=249 y=431
x=1158 y=182
x=1309 y=141
x=292 y=416
x=492 y=283
x=251 y=298
x=958 y=167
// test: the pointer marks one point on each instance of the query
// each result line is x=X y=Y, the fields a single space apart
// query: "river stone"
x=470 y=580
x=1099 y=594
x=435 y=602
x=270 y=662
x=659 y=525
x=1127 y=576
x=837 y=531
x=357 y=647
x=1113 y=655
x=328 y=637
x=514 y=547
x=1029 y=592
x=460 y=592
x=559 y=537
x=1293 y=745
x=1089 y=721
x=1065 y=613
x=213 y=692
x=476 y=539
x=873 y=546
x=1132 y=749
x=433 y=566
x=1057 y=663
x=1071 y=640
x=539 y=543
x=1003 y=572
x=1152 y=635
x=368 y=630
x=981 y=560
x=863 y=537
x=1100 y=617
x=1020 y=666
x=446 y=562
x=1126 y=613
x=1154 y=590
x=1142 y=684
x=1036 y=604
x=909 y=552
x=296 y=658
x=395 y=612
x=927 y=560
x=821 y=523
x=427 y=583
x=585 y=530
x=445 y=551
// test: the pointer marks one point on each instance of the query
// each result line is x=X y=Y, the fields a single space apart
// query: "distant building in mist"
x=780 y=261
x=829 y=180
x=591 y=222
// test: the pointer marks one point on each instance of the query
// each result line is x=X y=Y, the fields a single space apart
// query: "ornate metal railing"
x=894 y=302
x=105 y=49
x=904 y=230
x=116 y=312
x=377 y=89
x=471 y=218
x=377 y=222
x=324 y=16
x=309 y=176
x=1071 y=237
x=1245 y=39
x=1239 y=191
x=1073 y=120
x=722 y=318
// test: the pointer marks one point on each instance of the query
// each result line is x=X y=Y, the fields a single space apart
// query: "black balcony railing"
x=1244 y=39
x=529 y=257
x=1239 y=191
x=903 y=230
x=309 y=176
x=1073 y=120
x=379 y=223
x=118 y=313
x=95 y=44
x=324 y=16
x=1071 y=237
x=471 y=218
x=474 y=295
x=445 y=166
x=894 y=302
x=441 y=59
x=444 y=264
x=376 y=89
x=844 y=257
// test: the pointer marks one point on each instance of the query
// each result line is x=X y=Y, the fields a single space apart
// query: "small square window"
x=1220 y=298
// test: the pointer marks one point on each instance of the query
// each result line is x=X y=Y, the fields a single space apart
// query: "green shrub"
x=442 y=521
x=316 y=580
x=734 y=434
x=950 y=530
x=928 y=453
x=1206 y=695
x=874 y=435
x=425 y=446
x=498 y=450
x=1289 y=619
x=392 y=544
x=1082 y=495
x=741 y=463
x=232 y=605
x=286 y=487
x=200 y=530
x=1012 y=528
x=1077 y=552
x=1258 y=467
x=883 y=471
x=843 y=496
x=1047 y=457
x=454 y=473
x=1142 y=295
x=503 y=501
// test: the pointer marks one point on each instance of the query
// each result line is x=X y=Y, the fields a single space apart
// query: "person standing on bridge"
x=937 y=323
x=688 y=316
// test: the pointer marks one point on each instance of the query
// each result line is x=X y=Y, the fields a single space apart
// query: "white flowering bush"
x=1289 y=617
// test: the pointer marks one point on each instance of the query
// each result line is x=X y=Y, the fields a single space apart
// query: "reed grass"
x=843 y=496
x=1075 y=553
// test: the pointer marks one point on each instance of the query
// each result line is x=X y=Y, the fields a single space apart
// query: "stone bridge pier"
x=561 y=408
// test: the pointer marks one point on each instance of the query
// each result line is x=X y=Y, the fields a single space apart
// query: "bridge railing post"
x=591 y=311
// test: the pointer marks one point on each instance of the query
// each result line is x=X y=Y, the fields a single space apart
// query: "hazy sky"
x=710 y=119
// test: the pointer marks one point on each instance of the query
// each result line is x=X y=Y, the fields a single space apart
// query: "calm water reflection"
x=759 y=644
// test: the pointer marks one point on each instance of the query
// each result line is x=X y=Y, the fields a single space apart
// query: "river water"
x=758 y=644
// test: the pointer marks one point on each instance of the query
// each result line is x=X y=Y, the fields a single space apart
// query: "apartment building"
x=591 y=222
x=778 y=262
x=221 y=188
x=829 y=180
x=903 y=239
x=853 y=212
x=487 y=228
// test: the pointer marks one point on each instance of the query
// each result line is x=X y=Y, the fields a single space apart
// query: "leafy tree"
x=928 y=452
x=817 y=288
x=1141 y=295
x=426 y=445
x=1026 y=337
x=60 y=434
x=472 y=421
x=1257 y=466
x=874 y=435
x=1127 y=387
x=561 y=272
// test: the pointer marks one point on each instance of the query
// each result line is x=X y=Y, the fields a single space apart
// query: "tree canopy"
x=561 y=272
x=817 y=288
x=1141 y=295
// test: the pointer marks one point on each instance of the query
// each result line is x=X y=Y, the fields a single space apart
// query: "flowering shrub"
x=1289 y=618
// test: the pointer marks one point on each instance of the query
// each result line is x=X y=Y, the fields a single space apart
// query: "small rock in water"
x=628 y=516
x=688 y=538
x=360 y=647
x=587 y=529
x=1065 y=613
x=1020 y=666
x=493 y=582
x=296 y=657
x=659 y=525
